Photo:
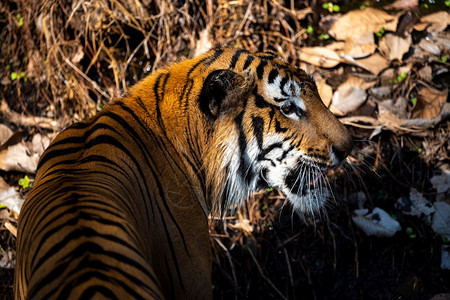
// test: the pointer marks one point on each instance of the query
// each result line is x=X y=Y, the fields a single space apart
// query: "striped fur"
x=121 y=201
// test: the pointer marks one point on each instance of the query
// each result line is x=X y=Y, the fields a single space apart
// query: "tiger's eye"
x=287 y=108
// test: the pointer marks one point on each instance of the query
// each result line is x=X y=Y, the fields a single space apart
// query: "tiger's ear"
x=222 y=90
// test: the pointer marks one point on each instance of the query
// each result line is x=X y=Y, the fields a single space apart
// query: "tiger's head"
x=268 y=128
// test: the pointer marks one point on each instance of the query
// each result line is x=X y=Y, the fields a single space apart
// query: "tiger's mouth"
x=304 y=178
x=305 y=186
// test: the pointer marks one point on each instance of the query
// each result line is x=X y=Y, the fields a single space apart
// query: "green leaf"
x=413 y=101
x=14 y=76
x=362 y=6
x=324 y=36
x=447 y=2
x=310 y=29
x=409 y=230
x=2 y=206
x=24 y=182
x=269 y=189
x=20 y=19
x=325 y=5
x=264 y=207
x=336 y=8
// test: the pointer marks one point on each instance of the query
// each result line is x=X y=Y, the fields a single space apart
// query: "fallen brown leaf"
x=429 y=103
x=434 y=22
x=325 y=91
x=403 y=4
x=361 y=45
x=394 y=47
x=349 y=95
x=374 y=63
x=319 y=56
x=357 y=22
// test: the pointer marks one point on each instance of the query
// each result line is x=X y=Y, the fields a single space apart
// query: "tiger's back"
x=120 y=203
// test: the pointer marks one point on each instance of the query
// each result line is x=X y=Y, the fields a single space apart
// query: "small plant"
x=25 y=182
x=264 y=207
x=447 y=3
x=443 y=58
x=324 y=36
x=310 y=29
x=2 y=206
x=362 y=6
x=331 y=7
x=399 y=78
x=380 y=33
x=410 y=232
x=413 y=101
x=19 y=20
x=18 y=76
x=416 y=149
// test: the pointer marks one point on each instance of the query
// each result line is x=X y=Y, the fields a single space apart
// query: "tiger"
x=121 y=201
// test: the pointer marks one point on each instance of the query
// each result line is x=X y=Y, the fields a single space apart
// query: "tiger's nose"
x=339 y=154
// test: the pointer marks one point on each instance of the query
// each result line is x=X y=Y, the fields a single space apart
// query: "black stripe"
x=272 y=75
x=264 y=152
x=260 y=102
x=158 y=99
x=260 y=69
x=280 y=99
x=258 y=128
x=244 y=166
x=248 y=61
x=95 y=290
x=278 y=127
x=93 y=248
x=283 y=82
x=216 y=55
x=235 y=58
x=285 y=153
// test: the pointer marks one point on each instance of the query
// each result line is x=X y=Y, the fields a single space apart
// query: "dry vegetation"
x=61 y=61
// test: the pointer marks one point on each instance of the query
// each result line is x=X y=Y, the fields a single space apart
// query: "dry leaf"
x=10 y=197
x=436 y=22
x=349 y=96
x=377 y=223
x=430 y=47
x=374 y=63
x=325 y=91
x=416 y=205
x=429 y=103
x=398 y=108
x=425 y=73
x=18 y=158
x=39 y=143
x=390 y=121
x=381 y=92
x=5 y=133
x=394 y=46
x=441 y=219
x=361 y=45
x=319 y=56
x=357 y=22
x=403 y=4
